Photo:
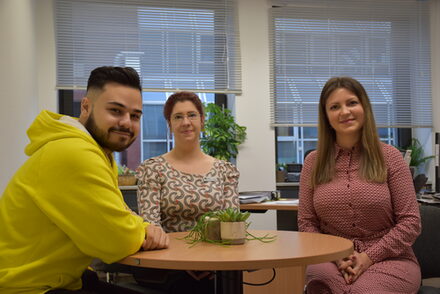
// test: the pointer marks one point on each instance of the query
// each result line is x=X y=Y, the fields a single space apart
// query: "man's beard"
x=102 y=137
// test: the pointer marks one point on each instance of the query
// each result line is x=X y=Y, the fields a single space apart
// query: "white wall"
x=256 y=159
x=17 y=82
x=27 y=75
x=435 y=62
x=46 y=61
x=435 y=71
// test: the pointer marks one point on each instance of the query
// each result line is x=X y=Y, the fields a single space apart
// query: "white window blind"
x=174 y=45
x=384 y=44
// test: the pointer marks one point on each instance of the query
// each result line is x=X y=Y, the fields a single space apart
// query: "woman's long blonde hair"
x=372 y=161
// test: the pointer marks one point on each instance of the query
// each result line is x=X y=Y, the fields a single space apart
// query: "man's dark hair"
x=103 y=75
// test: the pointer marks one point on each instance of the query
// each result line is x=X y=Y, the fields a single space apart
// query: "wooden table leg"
x=288 y=280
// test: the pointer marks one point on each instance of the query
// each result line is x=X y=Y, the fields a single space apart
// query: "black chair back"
x=427 y=245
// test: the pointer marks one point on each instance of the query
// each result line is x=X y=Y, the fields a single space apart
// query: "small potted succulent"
x=223 y=227
x=233 y=225
x=126 y=176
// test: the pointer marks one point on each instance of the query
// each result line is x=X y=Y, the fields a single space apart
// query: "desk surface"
x=128 y=188
x=277 y=205
x=287 y=184
x=429 y=199
x=289 y=249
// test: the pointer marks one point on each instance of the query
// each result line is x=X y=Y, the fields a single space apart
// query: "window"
x=174 y=45
x=294 y=142
x=386 y=49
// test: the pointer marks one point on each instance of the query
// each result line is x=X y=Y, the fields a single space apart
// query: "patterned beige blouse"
x=175 y=200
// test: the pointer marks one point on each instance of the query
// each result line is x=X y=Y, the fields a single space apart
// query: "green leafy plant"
x=125 y=171
x=199 y=233
x=222 y=135
x=417 y=154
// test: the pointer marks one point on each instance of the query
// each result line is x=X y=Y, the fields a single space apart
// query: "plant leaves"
x=222 y=135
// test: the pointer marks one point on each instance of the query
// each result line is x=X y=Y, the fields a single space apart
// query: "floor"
x=128 y=281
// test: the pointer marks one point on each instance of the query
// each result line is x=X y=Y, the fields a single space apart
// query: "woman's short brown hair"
x=181 y=97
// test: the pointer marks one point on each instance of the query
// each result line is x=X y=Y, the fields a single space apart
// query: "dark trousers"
x=162 y=281
x=92 y=285
x=172 y=281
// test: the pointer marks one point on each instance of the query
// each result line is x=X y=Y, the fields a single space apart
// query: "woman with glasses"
x=176 y=188
x=356 y=187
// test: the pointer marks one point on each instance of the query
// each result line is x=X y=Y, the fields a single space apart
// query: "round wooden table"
x=288 y=250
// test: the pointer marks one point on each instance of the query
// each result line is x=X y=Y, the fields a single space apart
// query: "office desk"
x=287 y=212
x=290 y=249
x=290 y=204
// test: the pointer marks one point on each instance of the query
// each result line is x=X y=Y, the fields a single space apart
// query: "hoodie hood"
x=47 y=127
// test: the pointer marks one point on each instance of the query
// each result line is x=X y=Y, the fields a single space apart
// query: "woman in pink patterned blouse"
x=176 y=188
x=358 y=188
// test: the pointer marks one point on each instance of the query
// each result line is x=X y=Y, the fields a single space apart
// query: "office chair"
x=426 y=247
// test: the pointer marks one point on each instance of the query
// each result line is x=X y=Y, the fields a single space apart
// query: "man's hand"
x=156 y=238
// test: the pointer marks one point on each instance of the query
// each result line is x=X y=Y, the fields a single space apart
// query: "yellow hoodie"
x=61 y=209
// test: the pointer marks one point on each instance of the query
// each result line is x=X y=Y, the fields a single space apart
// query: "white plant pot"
x=234 y=232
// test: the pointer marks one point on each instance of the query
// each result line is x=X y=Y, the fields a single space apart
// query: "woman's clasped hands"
x=353 y=266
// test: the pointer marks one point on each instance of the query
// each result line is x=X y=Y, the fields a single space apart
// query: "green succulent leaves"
x=232 y=215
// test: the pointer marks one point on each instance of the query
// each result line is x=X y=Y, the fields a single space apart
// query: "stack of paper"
x=430 y=198
x=284 y=201
x=254 y=196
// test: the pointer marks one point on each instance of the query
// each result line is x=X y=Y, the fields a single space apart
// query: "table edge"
x=243 y=265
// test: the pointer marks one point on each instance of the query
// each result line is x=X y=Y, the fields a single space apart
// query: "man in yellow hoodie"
x=63 y=207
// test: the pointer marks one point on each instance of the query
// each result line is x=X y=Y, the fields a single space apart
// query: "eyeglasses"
x=192 y=116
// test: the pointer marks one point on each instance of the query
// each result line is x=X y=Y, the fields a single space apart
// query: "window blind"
x=384 y=44
x=174 y=45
